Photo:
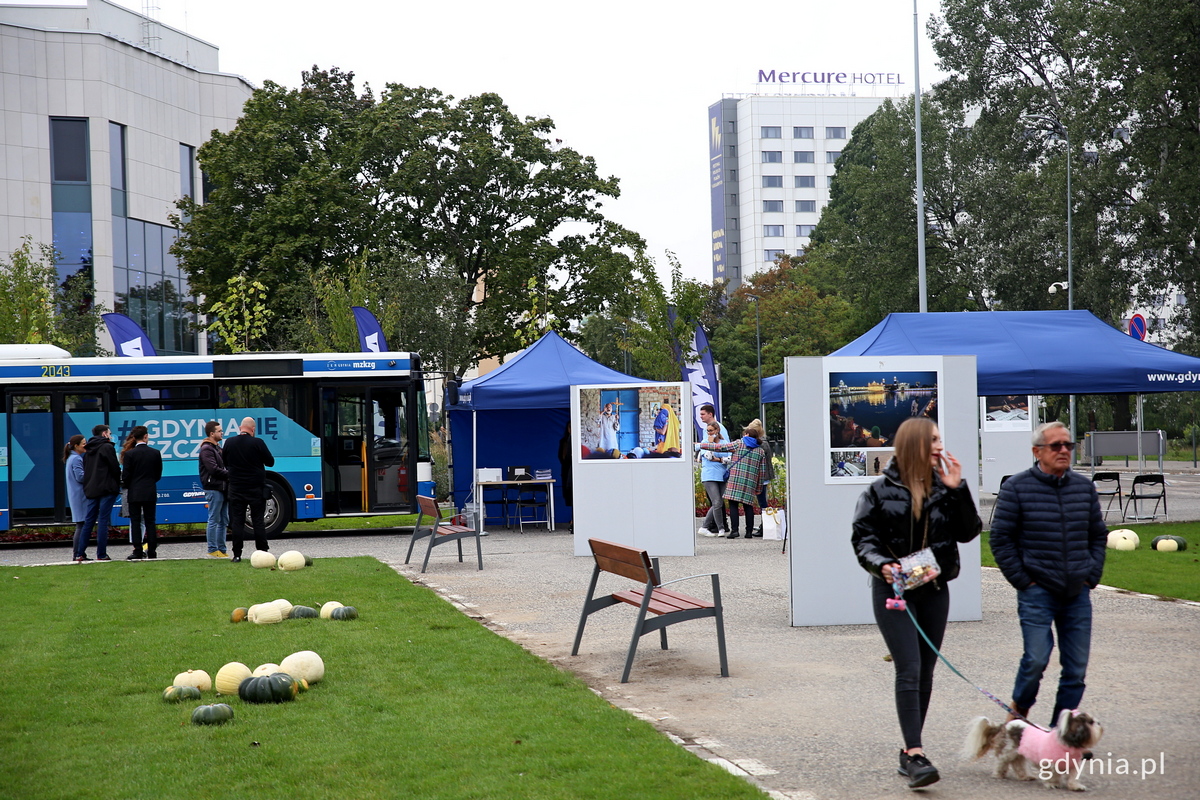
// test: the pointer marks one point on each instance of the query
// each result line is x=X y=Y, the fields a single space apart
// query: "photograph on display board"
x=1007 y=412
x=624 y=422
x=865 y=411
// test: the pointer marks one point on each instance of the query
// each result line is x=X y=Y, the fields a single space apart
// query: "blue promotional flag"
x=370 y=334
x=128 y=336
x=702 y=374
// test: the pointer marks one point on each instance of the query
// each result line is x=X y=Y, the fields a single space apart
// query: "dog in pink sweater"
x=1056 y=753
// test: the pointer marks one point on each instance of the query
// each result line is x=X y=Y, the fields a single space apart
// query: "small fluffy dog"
x=1056 y=754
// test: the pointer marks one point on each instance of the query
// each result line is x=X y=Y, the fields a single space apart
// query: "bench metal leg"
x=720 y=619
x=412 y=542
x=638 y=630
x=587 y=609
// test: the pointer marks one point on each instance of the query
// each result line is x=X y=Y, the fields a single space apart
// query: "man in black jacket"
x=215 y=480
x=101 y=487
x=246 y=459
x=1048 y=538
x=142 y=471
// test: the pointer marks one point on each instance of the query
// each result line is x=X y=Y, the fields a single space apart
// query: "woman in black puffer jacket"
x=920 y=501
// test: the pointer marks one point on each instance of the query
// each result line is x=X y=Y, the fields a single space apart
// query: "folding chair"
x=1145 y=487
x=440 y=531
x=532 y=497
x=1108 y=484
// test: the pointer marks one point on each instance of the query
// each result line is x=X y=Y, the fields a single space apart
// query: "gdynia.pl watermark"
x=1144 y=768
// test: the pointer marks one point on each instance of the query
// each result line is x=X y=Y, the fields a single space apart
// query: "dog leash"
x=899 y=604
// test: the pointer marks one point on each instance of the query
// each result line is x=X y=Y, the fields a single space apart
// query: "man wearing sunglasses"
x=1048 y=538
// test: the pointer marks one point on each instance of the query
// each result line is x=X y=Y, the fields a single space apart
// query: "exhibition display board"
x=842 y=414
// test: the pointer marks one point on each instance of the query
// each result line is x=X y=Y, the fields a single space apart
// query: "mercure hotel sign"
x=830 y=78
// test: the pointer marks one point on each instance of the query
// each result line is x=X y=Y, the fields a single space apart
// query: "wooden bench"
x=667 y=606
x=439 y=531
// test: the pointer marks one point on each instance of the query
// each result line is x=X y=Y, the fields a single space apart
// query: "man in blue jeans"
x=101 y=487
x=1048 y=538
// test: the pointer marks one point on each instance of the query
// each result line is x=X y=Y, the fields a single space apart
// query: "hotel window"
x=806 y=181
x=832 y=156
x=805 y=230
x=772 y=206
x=772 y=132
x=806 y=206
x=772 y=181
x=803 y=156
x=773 y=255
x=772 y=156
x=772 y=230
x=802 y=132
x=835 y=133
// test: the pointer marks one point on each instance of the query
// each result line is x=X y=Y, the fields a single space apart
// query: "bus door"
x=39 y=425
x=364 y=447
x=393 y=486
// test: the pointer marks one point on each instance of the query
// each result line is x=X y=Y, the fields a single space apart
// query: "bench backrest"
x=429 y=507
x=628 y=562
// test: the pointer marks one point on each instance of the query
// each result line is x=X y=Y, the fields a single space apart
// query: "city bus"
x=349 y=431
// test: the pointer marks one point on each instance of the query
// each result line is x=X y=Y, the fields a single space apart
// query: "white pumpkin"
x=265 y=669
x=252 y=612
x=230 y=677
x=328 y=608
x=268 y=614
x=305 y=665
x=1123 y=539
x=193 y=677
x=291 y=560
x=261 y=559
x=284 y=607
x=1167 y=546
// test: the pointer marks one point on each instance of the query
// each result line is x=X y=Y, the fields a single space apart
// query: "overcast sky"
x=627 y=82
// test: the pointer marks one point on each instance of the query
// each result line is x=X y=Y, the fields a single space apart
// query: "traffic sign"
x=1137 y=327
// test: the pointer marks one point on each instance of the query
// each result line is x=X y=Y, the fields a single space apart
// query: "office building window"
x=772 y=206
x=732 y=175
x=806 y=181
x=772 y=181
x=69 y=150
x=803 y=156
x=806 y=206
x=828 y=181
x=733 y=200
x=805 y=230
x=772 y=230
x=772 y=132
x=832 y=156
x=772 y=156
x=731 y=151
x=804 y=132
x=731 y=126
x=734 y=247
x=187 y=170
x=733 y=223
x=116 y=167
x=835 y=133
x=71 y=197
x=773 y=255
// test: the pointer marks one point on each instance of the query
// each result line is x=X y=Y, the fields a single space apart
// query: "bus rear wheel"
x=278 y=512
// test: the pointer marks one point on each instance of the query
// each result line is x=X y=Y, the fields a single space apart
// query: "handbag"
x=774 y=523
x=919 y=568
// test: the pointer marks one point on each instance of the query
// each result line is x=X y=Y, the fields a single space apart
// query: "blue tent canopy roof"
x=1028 y=352
x=541 y=376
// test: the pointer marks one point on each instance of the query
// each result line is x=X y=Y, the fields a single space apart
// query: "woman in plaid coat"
x=746 y=474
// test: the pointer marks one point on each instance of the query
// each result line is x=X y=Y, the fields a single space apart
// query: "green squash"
x=308 y=561
x=216 y=714
x=278 y=687
x=303 y=612
x=177 y=694
x=344 y=613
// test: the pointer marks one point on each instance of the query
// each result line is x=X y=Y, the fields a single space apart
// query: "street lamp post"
x=758 y=349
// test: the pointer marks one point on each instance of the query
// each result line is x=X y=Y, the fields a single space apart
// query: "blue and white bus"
x=349 y=431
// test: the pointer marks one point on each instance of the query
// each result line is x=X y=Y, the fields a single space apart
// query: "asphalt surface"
x=808 y=712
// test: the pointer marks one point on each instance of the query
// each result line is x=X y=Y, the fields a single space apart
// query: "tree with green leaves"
x=241 y=318
x=35 y=309
x=315 y=179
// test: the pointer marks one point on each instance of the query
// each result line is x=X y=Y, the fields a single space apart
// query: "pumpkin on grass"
x=264 y=669
x=291 y=560
x=239 y=614
x=304 y=665
x=308 y=561
x=216 y=714
x=344 y=613
x=268 y=614
x=285 y=608
x=193 y=677
x=261 y=559
x=230 y=676
x=177 y=694
x=278 y=687
x=328 y=608
x=303 y=612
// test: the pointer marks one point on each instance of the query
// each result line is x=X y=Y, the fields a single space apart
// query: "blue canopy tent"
x=1028 y=352
x=517 y=414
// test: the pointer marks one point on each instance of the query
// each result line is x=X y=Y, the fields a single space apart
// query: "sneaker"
x=103 y=558
x=920 y=772
x=707 y=532
x=218 y=554
x=81 y=559
x=904 y=759
x=136 y=555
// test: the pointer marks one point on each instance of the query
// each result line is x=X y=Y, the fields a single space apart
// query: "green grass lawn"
x=1145 y=570
x=418 y=700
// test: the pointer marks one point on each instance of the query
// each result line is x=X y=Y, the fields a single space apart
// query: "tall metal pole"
x=921 y=289
x=758 y=349
x=1070 y=260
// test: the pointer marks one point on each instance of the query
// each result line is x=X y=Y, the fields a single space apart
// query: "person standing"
x=1048 y=538
x=214 y=479
x=246 y=459
x=745 y=475
x=713 y=467
x=708 y=416
x=921 y=501
x=768 y=476
x=73 y=459
x=140 y=476
x=102 y=487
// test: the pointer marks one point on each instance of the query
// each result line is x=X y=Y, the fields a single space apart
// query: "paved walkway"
x=807 y=712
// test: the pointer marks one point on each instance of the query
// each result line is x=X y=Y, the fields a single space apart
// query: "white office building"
x=102 y=112
x=771 y=162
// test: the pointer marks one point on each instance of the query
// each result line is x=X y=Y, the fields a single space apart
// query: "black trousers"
x=913 y=659
x=237 y=522
x=143 y=512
